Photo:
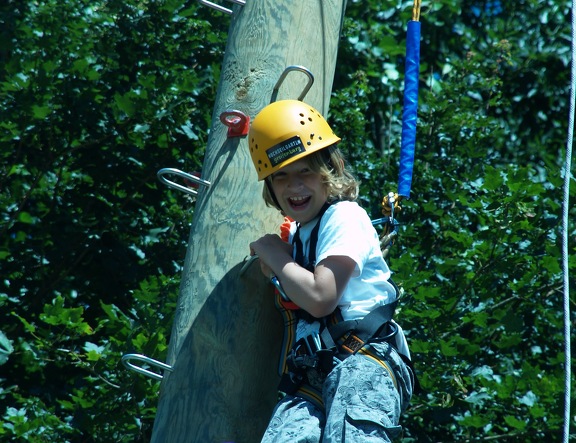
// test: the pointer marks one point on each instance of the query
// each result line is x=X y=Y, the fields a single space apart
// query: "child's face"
x=299 y=191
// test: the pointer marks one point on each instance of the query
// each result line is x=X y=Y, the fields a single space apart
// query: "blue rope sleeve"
x=410 y=108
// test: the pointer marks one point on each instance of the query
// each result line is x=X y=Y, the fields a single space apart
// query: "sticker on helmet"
x=285 y=150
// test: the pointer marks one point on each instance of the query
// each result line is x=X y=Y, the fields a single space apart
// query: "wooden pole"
x=226 y=334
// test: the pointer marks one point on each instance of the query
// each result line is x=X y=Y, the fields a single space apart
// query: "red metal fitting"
x=238 y=123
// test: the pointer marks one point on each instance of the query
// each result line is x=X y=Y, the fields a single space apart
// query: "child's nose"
x=294 y=182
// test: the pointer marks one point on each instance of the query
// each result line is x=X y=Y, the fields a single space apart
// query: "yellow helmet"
x=286 y=131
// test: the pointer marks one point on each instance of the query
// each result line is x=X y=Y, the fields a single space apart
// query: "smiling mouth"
x=297 y=202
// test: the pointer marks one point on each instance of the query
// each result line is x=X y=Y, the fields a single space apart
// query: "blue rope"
x=410 y=108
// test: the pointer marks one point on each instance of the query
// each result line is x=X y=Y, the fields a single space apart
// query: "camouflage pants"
x=363 y=398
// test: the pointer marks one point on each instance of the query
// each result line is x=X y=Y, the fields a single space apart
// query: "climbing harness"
x=305 y=363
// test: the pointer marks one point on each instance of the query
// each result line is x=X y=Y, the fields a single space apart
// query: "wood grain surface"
x=227 y=334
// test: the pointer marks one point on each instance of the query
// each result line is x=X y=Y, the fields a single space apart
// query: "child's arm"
x=317 y=293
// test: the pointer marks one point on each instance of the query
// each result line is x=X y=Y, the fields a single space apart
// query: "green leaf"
x=93 y=351
x=58 y=315
x=529 y=399
x=29 y=327
x=515 y=423
x=25 y=217
x=125 y=103
x=6 y=348
x=40 y=112
x=448 y=349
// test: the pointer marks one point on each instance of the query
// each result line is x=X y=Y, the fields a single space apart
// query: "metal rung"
x=283 y=76
x=172 y=171
x=155 y=363
x=221 y=8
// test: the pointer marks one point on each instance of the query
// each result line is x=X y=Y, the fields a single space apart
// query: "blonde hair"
x=330 y=163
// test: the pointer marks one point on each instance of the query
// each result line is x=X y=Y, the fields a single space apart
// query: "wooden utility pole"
x=227 y=334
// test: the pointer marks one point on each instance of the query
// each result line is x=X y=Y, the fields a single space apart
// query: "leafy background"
x=96 y=96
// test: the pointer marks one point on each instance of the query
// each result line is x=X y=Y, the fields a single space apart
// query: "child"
x=346 y=373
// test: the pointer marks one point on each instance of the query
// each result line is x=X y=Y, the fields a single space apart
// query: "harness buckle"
x=310 y=353
x=302 y=362
x=353 y=344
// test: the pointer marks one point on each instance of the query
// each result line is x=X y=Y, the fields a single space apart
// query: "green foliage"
x=478 y=254
x=97 y=96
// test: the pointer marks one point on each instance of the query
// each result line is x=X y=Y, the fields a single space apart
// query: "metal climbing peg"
x=283 y=77
x=155 y=363
x=221 y=8
x=162 y=173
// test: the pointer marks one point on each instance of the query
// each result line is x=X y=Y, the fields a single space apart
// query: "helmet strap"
x=270 y=190
x=326 y=154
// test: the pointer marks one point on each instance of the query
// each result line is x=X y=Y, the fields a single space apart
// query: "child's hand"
x=269 y=248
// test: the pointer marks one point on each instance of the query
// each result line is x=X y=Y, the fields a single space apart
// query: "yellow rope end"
x=416 y=10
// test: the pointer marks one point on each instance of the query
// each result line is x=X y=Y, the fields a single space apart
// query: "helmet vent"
x=262 y=166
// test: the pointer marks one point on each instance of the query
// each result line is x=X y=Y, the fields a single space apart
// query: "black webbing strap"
x=361 y=331
x=300 y=258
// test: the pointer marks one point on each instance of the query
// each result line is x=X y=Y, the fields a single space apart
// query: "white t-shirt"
x=346 y=230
